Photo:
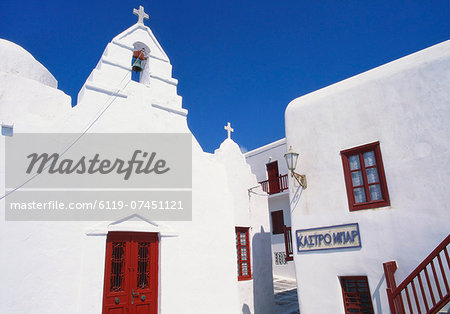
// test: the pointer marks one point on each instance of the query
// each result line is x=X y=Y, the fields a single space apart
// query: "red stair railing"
x=422 y=292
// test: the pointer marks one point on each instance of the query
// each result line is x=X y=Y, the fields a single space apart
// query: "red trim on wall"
x=356 y=295
x=243 y=260
x=288 y=243
x=277 y=222
x=360 y=150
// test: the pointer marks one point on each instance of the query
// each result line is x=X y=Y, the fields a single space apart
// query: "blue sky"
x=238 y=61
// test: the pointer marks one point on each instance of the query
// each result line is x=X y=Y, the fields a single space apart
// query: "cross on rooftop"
x=229 y=129
x=140 y=14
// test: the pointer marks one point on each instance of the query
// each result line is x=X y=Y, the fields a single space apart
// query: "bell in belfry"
x=137 y=65
x=139 y=57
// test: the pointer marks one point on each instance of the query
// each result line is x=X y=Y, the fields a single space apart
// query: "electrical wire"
x=89 y=126
x=250 y=190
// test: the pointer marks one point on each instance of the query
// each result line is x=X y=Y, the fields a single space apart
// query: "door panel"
x=143 y=309
x=131 y=273
x=115 y=296
x=144 y=279
x=272 y=176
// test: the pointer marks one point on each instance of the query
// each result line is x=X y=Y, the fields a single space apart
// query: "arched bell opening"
x=139 y=61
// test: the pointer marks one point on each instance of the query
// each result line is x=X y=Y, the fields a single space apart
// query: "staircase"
x=426 y=289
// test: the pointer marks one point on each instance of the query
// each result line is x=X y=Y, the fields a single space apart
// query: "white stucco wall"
x=257 y=159
x=405 y=106
x=250 y=210
x=15 y=60
x=28 y=91
x=60 y=265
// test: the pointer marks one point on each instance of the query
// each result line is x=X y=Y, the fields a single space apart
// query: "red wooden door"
x=272 y=174
x=131 y=273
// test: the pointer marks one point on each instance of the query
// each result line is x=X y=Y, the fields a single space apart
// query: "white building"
x=217 y=262
x=269 y=166
x=375 y=151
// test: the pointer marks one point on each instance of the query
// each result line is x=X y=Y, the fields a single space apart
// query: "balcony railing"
x=426 y=289
x=277 y=185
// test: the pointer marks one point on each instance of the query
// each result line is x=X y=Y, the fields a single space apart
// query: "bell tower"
x=133 y=64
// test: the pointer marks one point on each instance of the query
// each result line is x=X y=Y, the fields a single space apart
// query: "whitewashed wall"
x=16 y=61
x=405 y=106
x=259 y=157
x=250 y=210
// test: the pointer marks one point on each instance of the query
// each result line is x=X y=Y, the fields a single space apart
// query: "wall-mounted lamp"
x=291 y=161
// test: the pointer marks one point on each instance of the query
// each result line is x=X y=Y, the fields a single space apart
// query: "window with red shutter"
x=288 y=243
x=243 y=254
x=364 y=177
x=356 y=294
x=277 y=222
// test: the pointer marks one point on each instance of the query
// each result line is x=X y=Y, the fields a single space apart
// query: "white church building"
x=217 y=259
x=359 y=217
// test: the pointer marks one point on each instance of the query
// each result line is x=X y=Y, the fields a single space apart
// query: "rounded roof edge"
x=415 y=59
x=17 y=61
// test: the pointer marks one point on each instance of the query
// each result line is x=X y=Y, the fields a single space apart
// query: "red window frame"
x=356 y=295
x=288 y=243
x=378 y=173
x=277 y=222
x=242 y=260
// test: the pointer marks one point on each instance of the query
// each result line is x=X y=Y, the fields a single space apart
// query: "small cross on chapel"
x=229 y=129
x=140 y=14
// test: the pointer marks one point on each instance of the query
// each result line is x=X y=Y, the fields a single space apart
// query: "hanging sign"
x=327 y=238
